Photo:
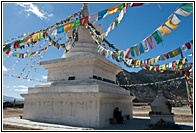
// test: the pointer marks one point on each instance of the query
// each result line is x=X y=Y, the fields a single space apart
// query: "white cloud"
x=22 y=90
x=4 y=69
x=44 y=77
x=32 y=8
x=21 y=87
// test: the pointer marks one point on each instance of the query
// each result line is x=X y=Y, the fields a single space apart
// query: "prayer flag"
x=145 y=45
x=137 y=50
x=175 y=52
x=163 y=30
x=157 y=37
x=120 y=16
x=75 y=24
x=174 y=19
x=132 y=52
x=127 y=52
x=67 y=27
x=188 y=45
x=35 y=37
x=187 y=6
x=150 y=42
x=84 y=20
x=162 y=57
x=171 y=55
x=112 y=10
x=170 y=24
x=120 y=7
x=179 y=50
x=135 y=4
x=60 y=29
x=166 y=55
x=102 y=14
x=182 y=12
x=140 y=48
x=191 y=41
x=92 y=18
x=184 y=48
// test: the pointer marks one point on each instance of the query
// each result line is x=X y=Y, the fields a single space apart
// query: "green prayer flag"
x=116 y=22
x=5 y=49
x=187 y=6
x=191 y=41
x=20 y=55
x=40 y=35
x=171 y=55
x=120 y=7
x=75 y=24
x=132 y=51
x=21 y=41
x=157 y=37
x=177 y=61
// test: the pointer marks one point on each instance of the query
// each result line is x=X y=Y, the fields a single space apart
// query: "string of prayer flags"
x=155 y=83
x=10 y=39
x=26 y=78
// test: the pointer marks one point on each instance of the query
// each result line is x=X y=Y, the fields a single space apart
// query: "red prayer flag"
x=166 y=55
x=188 y=45
x=135 y=4
x=8 y=51
x=84 y=20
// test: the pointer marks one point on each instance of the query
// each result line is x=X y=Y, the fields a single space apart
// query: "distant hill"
x=8 y=98
x=149 y=92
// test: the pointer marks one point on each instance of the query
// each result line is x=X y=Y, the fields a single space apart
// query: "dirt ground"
x=181 y=114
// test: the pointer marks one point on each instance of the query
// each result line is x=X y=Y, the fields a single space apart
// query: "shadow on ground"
x=143 y=124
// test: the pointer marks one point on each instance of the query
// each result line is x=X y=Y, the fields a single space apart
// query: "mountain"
x=149 y=92
x=8 y=98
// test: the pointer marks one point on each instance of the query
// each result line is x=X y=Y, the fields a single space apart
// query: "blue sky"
x=137 y=24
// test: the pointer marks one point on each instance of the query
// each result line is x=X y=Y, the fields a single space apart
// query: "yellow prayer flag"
x=163 y=67
x=26 y=39
x=17 y=54
x=174 y=52
x=29 y=33
x=163 y=30
x=35 y=37
x=180 y=66
x=170 y=24
x=155 y=59
x=112 y=10
x=67 y=27
x=151 y=68
x=29 y=54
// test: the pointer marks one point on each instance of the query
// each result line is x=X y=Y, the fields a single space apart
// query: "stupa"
x=80 y=89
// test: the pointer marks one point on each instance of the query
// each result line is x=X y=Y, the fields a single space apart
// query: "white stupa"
x=80 y=89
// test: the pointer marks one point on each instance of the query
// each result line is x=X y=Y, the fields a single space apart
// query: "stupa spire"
x=84 y=11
